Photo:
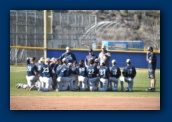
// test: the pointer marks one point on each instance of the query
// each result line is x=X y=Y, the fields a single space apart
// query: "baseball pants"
x=83 y=82
x=113 y=82
x=93 y=83
x=104 y=84
x=63 y=83
x=130 y=82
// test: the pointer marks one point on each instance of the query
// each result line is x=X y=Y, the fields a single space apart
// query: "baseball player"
x=96 y=63
x=93 y=80
x=31 y=76
x=74 y=75
x=54 y=78
x=151 y=59
x=129 y=72
x=104 y=75
x=68 y=55
x=63 y=79
x=46 y=76
x=89 y=57
x=115 y=73
x=82 y=76
x=40 y=65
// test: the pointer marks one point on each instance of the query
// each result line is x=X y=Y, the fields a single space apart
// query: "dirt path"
x=83 y=103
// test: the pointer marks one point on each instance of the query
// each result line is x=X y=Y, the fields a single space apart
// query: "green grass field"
x=141 y=83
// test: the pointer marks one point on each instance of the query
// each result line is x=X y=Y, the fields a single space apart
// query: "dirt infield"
x=83 y=103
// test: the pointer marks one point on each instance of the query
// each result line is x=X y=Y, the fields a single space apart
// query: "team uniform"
x=54 y=80
x=53 y=83
x=88 y=58
x=104 y=75
x=63 y=80
x=93 y=80
x=46 y=78
x=70 y=57
x=152 y=65
x=74 y=76
x=82 y=77
x=31 y=77
x=115 y=73
x=129 y=73
x=40 y=68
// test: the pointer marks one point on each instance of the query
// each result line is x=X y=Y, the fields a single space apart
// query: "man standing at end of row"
x=151 y=59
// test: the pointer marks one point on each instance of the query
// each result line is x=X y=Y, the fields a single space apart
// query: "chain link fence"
x=63 y=29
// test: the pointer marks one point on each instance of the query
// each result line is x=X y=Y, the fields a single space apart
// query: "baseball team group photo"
x=97 y=59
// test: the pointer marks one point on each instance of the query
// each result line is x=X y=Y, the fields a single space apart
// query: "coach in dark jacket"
x=70 y=57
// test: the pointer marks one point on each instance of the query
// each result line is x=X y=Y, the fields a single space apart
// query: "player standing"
x=151 y=59
x=68 y=55
x=89 y=57
x=115 y=73
x=129 y=72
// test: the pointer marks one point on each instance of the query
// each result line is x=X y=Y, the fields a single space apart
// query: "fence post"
x=45 y=33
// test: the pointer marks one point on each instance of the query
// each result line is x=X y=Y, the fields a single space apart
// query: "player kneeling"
x=104 y=75
x=129 y=72
x=92 y=76
x=115 y=73
x=74 y=75
x=46 y=77
x=82 y=76
x=64 y=79
x=31 y=75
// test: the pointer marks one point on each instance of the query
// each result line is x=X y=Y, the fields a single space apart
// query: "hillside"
x=134 y=25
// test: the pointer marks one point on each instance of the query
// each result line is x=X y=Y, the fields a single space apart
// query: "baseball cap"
x=52 y=59
x=64 y=59
x=103 y=46
x=42 y=59
x=90 y=50
x=67 y=48
x=96 y=60
x=113 y=61
x=47 y=59
x=128 y=60
x=69 y=64
x=150 y=48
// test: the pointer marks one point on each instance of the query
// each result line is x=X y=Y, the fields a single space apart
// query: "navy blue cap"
x=90 y=50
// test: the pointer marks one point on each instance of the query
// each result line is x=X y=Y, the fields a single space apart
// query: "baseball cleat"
x=39 y=89
x=127 y=90
x=18 y=84
x=57 y=90
x=31 y=88
x=150 y=89
x=27 y=88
